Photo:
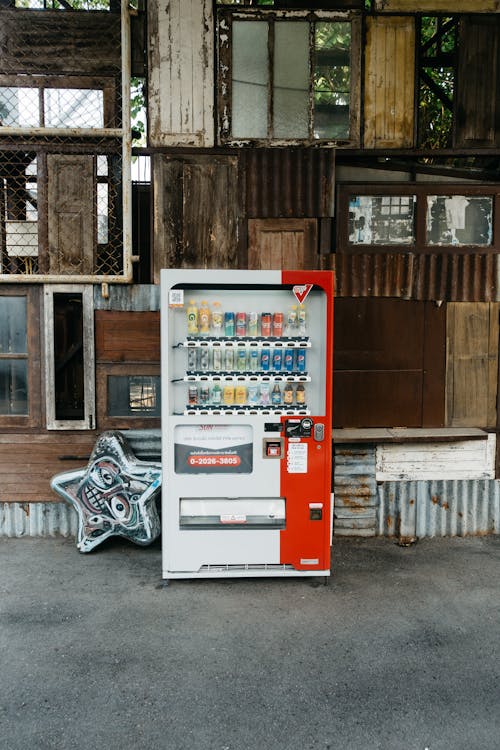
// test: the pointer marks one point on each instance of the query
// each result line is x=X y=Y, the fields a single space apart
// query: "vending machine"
x=247 y=362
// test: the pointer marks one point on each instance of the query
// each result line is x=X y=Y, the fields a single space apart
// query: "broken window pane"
x=134 y=395
x=459 y=220
x=382 y=220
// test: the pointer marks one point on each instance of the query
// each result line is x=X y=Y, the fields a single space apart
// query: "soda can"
x=288 y=360
x=192 y=395
x=265 y=324
x=229 y=324
x=217 y=359
x=204 y=394
x=265 y=360
x=277 y=360
x=254 y=359
x=241 y=324
x=241 y=360
x=301 y=360
x=253 y=324
x=278 y=324
x=191 y=359
x=204 y=359
x=229 y=359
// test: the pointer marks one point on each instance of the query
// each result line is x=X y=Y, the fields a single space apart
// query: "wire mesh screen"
x=61 y=170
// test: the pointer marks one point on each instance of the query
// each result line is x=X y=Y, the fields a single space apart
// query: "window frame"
x=422 y=191
x=225 y=17
x=33 y=417
x=88 y=421
x=106 y=422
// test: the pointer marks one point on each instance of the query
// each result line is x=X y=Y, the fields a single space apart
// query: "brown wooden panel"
x=197 y=205
x=43 y=457
x=60 y=42
x=105 y=422
x=389 y=82
x=282 y=244
x=71 y=214
x=378 y=334
x=389 y=363
x=377 y=398
x=127 y=336
x=472 y=364
x=477 y=116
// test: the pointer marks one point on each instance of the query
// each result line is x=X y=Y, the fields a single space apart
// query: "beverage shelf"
x=244 y=377
x=257 y=410
x=292 y=342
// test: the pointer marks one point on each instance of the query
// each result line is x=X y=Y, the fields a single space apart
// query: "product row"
x=209 y=319
x=253 y=395
x=242 y=359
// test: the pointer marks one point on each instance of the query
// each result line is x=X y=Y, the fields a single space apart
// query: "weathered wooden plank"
x=181 y=74
x=127 y=336
x=60 y=42
x=389 y=82
x=459 y=460
x=282 y=244
x=71 y=227
x=472 y=364
x=477 y=106
x=197 y=209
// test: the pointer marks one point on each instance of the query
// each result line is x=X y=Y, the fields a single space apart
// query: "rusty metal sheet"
x=290 y=182
x=37 y=519
x=468 y=507
x=355 y=490
x=446 y=277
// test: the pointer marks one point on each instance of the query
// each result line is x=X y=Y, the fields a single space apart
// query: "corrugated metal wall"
x=355 y=490
x=447 y=277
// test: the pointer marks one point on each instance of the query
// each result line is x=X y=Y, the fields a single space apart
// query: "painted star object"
x=114 y=496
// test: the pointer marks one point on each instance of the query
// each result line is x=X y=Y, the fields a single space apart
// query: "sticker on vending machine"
x=176 y=298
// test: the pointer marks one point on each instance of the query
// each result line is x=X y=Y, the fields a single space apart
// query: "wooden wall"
x=181 y=73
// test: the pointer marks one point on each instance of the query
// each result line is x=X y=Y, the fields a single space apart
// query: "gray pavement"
x=399 y=652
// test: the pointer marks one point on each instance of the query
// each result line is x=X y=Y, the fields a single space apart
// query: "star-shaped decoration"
x=114 y=496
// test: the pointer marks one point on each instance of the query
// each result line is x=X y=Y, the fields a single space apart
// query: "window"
x=69 y=357
x=292 y=78
x=128 y=395
x=419 y=218
x=19 y=358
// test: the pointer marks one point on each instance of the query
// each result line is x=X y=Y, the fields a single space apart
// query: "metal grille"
x=61 y=140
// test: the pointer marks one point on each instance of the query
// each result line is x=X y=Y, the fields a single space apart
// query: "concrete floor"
x=400 y=652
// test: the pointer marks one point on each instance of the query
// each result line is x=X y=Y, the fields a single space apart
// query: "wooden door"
x=71 y=224
x=282 y=244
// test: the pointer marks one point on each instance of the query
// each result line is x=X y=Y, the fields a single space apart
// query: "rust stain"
x=25 y=507
x=389 y=521
x=412 y=502
x=460 y=514
x=435 y=499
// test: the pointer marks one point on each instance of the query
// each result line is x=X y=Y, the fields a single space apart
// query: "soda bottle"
x=204 y=359
x=276 y=395
x=265 y=360
x=265 y=324
x=192 y=358
x=265 y=394
x=204 y=318
x=278 y=324
x=229 y=324
x=254 y=359
x=277 y=360
x=241 y=324
x=217 y=318
x=228 y=395
x=288 y=394
x=291 y=322
x=288 y=360
x=300 y=394
x=229 y=359
x=240 y=394
x=204 y=394
x=217 y=359
x=302 y=320
x=301 y=360
x=241 y=360
x=216 y=395
x=192 y=318
x=253 y=324
x=192 y=395
x=253 y=394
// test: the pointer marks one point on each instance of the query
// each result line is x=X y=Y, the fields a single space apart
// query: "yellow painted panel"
x=389 y=82
x=448 y=6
